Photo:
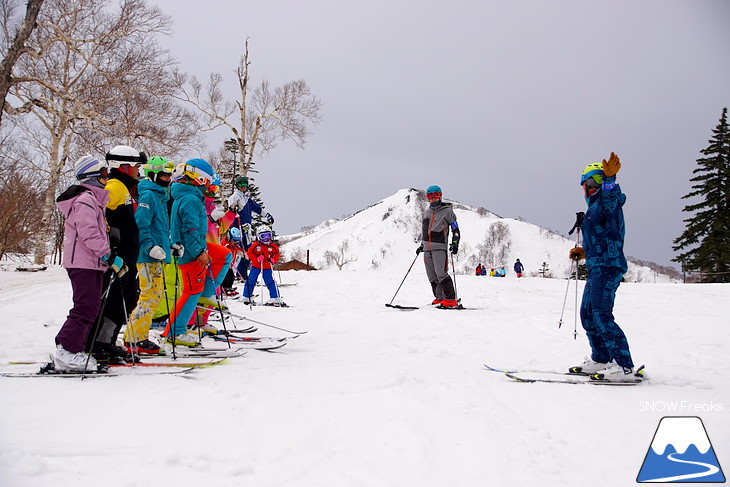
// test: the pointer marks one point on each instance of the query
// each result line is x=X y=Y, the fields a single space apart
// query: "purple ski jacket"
x=86 y=239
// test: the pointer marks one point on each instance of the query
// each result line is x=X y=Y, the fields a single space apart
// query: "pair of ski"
x=116 y=370
x=254 y=343
x=552 y=377
x=411 y=308
x=260 y=323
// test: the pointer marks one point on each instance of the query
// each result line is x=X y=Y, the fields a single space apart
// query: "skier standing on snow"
x=603 y=241
x=86 y=257
x=241 y=203
x=153 y=222
x=124 y=162
x=263 y=254
x=519 y=268
x=440 y=217
x=202 y=264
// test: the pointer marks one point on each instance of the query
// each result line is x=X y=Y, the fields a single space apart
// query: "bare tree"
x=95 y=75
x=340 y=258
x=13 y=52
x=496 y=245
x=17 y=224
x=258 y=122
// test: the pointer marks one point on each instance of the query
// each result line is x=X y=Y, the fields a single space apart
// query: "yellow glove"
x=611 y=167
x=577 y=253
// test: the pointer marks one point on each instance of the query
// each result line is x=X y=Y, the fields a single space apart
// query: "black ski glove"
x=419 y=249
x=454 y=247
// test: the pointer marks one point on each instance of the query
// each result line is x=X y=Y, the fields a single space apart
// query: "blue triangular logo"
x=681 y=452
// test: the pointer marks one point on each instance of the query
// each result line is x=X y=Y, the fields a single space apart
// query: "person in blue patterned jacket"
x=603 y=243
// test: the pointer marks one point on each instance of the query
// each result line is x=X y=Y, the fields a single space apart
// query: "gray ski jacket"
x=436 y=226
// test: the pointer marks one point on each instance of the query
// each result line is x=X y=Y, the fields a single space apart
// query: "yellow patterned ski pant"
x=151 y=290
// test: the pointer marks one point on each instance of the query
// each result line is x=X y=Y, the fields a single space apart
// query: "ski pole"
x=276 y=284
x=99 y=320
x=169 y=316
x=575 y=322
x=270 y=326
x=167 y=298
x=404 y=280
x=218 y=301
x=579 y=216
x=131 y=332
x=567 y=288
x=456 y=294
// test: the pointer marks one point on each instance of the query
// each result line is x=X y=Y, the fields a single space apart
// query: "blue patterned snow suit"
x=603 y=242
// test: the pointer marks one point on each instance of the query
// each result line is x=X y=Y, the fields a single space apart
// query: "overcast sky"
x=501 y=103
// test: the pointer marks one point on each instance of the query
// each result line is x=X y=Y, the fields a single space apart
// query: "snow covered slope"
x=371 y=396
x=385 y=236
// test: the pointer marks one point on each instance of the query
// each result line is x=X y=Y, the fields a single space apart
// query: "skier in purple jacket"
x=86 y=257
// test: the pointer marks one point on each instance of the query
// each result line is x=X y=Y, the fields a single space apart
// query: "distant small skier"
x=502 y=272
x=478 y=271
x=519 y=268
x=440 y=218
x=603 y=240
x=484 y=270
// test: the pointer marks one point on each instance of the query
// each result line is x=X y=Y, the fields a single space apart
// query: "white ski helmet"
x=263 y=234
x=88 y=167
x=123 y=154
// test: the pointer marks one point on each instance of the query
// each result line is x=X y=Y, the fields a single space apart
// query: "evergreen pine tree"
x=706 y=238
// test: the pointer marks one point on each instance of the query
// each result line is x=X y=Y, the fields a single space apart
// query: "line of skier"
x=134 y=246
x=481 y=270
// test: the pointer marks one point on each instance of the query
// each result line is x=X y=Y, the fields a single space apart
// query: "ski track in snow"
x=371 y=396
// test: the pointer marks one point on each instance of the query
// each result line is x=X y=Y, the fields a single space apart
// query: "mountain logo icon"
x=681 y=452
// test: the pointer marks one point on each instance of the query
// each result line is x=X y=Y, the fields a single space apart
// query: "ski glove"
x=454 y=247
x=419 y=249
x=177 y=250
x=217 y=214
x=612 y=166
x=116 y=264
x=577 y=253
x=157 y=253
x=269 y=219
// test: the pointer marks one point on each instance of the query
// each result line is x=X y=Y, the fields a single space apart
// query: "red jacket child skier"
x=263 y=253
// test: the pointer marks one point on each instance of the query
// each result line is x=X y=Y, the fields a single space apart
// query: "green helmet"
x=156 y=165
x=594 y=171
x=241 y=181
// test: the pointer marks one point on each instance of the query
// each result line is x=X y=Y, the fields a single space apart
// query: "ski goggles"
x=211 y=190
x=591 y=183
x=265 y=237
x=433 y=196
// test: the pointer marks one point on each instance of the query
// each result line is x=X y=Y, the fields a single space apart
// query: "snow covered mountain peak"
x=386 y=235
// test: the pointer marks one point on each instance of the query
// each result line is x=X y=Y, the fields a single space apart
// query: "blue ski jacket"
x=153 y=220
x=188 y=220
x=603 y=227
